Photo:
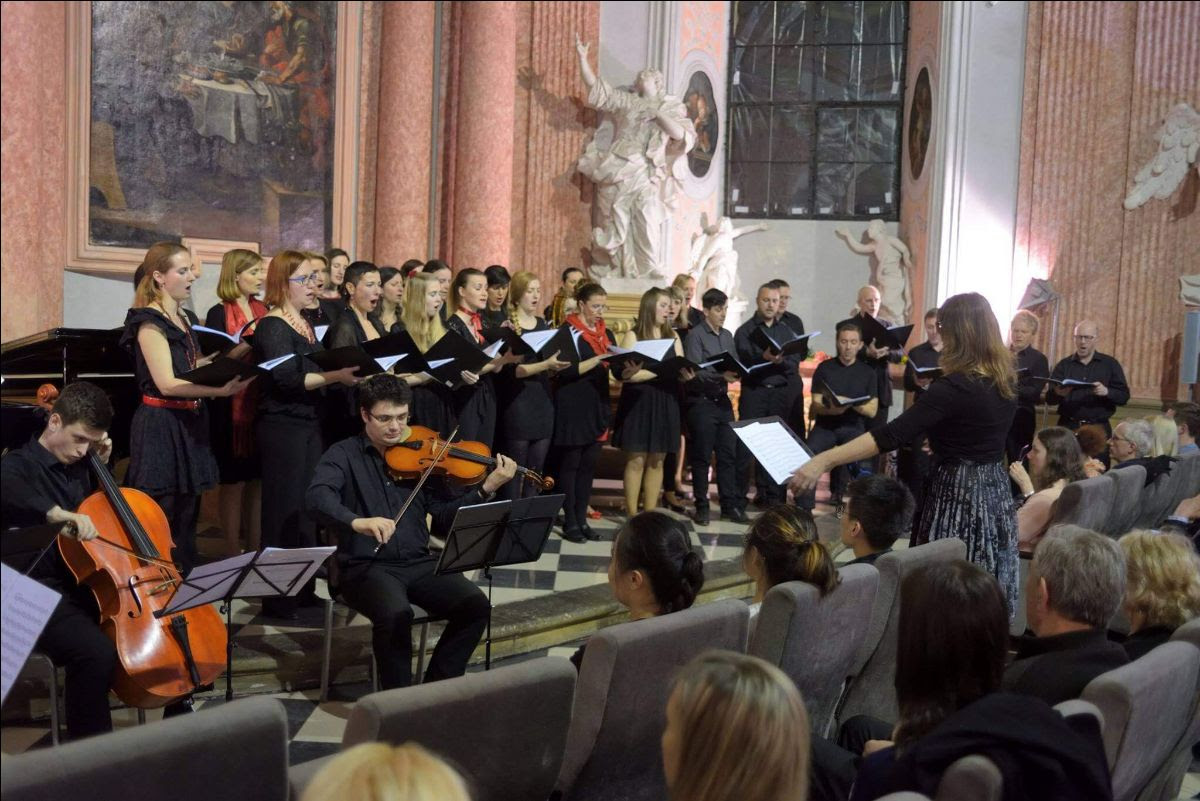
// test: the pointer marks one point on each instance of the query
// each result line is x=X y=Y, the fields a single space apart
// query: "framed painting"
x=213 y=121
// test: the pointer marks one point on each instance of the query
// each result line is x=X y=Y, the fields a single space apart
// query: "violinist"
x=42 y=482
x=385 y=566
x=170 y=458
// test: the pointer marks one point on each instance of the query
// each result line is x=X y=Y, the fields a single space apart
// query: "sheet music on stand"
x=774 y=445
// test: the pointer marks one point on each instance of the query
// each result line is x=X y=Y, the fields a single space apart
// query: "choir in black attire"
x=474 y=404
x=1032 y=368
x=526 y=419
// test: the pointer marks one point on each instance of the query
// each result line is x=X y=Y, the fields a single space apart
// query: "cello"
x=161 y=658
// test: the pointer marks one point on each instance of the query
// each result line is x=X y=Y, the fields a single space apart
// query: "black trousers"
x=824 y=438
x=181 y=512
x=73 y=640
x=763 y=402
x=913 y=467
x=1020 y=434
x=835 y=766
x=709 y=431
x=290 y=449
x=529 y=453
x=576 y=470
x=384 y=592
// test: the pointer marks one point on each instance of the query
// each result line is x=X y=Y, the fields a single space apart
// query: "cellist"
x=383 y=568
x=42 y=482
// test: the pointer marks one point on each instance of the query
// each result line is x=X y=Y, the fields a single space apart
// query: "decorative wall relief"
x=891 y=264
x=1178 y=146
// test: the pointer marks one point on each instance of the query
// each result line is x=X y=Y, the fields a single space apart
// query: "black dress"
x=526 y=408
x=648 y=416
x=581 y=406
x=233 y=469
x=343 y=420
x=474 y=406
x=169 y=448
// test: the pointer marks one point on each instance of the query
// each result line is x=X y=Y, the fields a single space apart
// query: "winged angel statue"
x=1178 y=146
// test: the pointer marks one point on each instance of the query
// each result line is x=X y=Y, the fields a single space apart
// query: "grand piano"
x=57 y=357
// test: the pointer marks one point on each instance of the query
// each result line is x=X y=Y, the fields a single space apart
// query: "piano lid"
x=67 y=353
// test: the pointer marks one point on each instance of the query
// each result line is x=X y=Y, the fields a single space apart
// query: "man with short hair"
x=766 y=391
x=879 y=511
x=563 y=302
x=795 y=417
x=385 y=566
x=1187 y=420
x=1032 y=369
x=1075 y=586
x=43 y=482
x=877 y=358
x=709 y=415
x=835 y=424
x=1098 y=402
x=1132 y=443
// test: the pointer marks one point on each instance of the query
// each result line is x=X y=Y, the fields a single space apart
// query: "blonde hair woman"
x=1166 y=435
x=966 y=415
x=647 y=424
x=736 y=729
x=381 y=772
x=1162 y=587
x=243 y=275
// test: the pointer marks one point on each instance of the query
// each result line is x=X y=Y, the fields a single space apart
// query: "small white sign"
x=873 y=210
x=734 y=195
x=741 y=209
x=887 y=197
x=827 y=209
x=895 y=87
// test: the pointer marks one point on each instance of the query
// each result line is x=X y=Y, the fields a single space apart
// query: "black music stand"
x=269 y=573
x=494 y=534
x=22 y=548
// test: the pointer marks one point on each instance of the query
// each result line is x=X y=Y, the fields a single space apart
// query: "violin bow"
x=421 y=482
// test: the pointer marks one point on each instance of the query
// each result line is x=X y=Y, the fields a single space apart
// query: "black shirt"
x=922 y=355
x=1057 y=668
x=1083 y=405
x=283 y=391
x=849 y=381
x=1031 y=365
x=750 y=354
x=352 y=481
x=348 y=330
x=880 y=365
x=702 y=345
x=32 y=482
x=870 y=558
x=965 y=418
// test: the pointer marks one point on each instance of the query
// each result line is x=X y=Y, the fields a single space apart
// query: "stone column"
x=477 y=231
x=405 y=130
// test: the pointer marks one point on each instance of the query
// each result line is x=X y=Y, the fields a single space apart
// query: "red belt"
x=168 y=403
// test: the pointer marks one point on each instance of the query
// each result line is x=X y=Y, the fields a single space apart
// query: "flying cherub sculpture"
x=891 y=261
x=1178 y=146
x=714 y=261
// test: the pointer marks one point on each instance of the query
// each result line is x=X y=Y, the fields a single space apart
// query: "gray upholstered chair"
x=1086 y=503
x=236 y=752
x=1020 y=620
x=1127 y=499
x=971 y=778
x=613 y=746
x=504 y=729
x=1157 y=498
x=1187 y=468
x=1166 y=783
x=1188 y=632
x=871 y=690
x=1148 y=706
x=813 y=639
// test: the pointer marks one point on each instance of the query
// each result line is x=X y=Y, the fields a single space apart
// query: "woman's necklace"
x=301 y=326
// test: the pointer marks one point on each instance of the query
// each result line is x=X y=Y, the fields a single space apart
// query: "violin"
x=160 y=658
x=465 y=462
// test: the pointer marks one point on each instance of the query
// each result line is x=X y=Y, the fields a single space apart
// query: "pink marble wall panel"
x=405 y=113
x=1100 y=78
x=32 y=167
x=550 y=225
x=365 y=170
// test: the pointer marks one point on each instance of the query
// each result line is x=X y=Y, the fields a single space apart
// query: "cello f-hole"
x=132 y=587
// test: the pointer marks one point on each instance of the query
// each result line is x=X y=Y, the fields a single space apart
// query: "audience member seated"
x=1166 y=436
x=653 y=570
x=782 y=545
x=736 y=729
x=878 y=512
x=1185 y=520
x=1187 y=423
x=1076 y=582
x=1054 y=461
x=1132 y=442
x=951 y=706
x=1093 y=441
x=1162 y=588
x=381 y=772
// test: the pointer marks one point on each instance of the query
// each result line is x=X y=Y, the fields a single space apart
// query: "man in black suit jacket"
x=1075 y=587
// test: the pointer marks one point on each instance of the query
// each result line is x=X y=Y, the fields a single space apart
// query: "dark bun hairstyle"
x=658 y=545
x=786 y=538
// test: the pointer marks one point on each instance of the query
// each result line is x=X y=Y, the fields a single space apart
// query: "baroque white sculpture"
x=891 y=262
x=1178 y=146
x=638 y=175
x=714 y=261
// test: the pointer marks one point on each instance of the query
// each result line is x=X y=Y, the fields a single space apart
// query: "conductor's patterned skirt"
x=972 y=501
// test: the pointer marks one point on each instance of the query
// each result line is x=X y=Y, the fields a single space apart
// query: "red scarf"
x=245 y=403
x=598 y=339
x=476 y=323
